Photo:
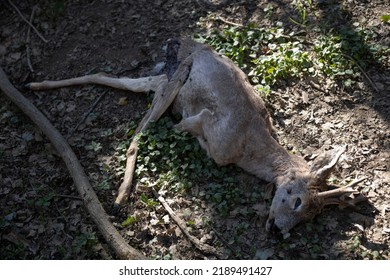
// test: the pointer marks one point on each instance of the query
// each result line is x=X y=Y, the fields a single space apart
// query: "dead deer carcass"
x=222 y=110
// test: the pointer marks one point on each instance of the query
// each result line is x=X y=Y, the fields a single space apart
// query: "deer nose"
x=271 y=227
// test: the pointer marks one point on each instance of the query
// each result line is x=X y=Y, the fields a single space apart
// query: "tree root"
x=120 y=246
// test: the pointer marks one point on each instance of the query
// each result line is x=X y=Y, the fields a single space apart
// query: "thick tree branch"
x=122 y=249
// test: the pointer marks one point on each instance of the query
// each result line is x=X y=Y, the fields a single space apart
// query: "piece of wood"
x=120 y=246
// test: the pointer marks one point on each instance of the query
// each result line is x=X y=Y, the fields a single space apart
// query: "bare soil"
x=41 y=214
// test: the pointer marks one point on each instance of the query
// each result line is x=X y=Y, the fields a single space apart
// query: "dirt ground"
x=41 y=214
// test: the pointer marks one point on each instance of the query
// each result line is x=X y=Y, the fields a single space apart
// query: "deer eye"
x=298 y=202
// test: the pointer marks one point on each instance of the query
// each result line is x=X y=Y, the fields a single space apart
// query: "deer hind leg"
x=194 y=125
x=144 y=84
x=164 y=96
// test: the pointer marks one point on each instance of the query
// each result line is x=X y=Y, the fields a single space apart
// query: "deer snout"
x=271 y=226
x=288 y=209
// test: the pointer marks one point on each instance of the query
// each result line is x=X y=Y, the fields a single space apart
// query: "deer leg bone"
x=132 y=152
x=145 y=84
x=164 y=96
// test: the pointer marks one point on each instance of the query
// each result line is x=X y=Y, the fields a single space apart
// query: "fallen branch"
x=205 y=248
x=29 y=23
x=120 y=246
x=125 y=187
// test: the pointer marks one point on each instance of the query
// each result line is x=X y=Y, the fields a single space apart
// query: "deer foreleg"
x=135 y=85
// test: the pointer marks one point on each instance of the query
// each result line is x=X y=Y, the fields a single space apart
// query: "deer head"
x=299 y=196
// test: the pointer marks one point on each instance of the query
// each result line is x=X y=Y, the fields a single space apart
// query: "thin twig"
x=87 y=114
x=28 y=40
x=362 y=70
x=29 y=23
x=205 y=248
x=229 y=22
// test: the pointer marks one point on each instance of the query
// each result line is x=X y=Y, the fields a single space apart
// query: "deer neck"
x=274 y=163
x=289 y=166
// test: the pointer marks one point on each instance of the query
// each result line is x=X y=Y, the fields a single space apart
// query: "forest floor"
x=41 y=213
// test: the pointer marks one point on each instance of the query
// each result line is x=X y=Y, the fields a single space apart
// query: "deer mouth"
x=272 y=227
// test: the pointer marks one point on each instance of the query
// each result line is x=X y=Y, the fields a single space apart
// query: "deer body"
x=220 y=107
x=222 y=110
x=230 y=120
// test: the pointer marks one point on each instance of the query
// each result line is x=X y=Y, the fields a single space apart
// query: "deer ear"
x=323 y=165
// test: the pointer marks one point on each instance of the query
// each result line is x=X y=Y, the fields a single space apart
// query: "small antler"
x=342 y=190
x=338 y=196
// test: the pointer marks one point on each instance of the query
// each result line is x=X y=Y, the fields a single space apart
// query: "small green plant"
x=86 y=241
x=148 y=202
x=303 y=7
x=283 y=60
x=44 y=201
x=360 y=251
x=267 y=55
x=94 y=146
x=55 y=9
x=129 y=221
x=270 y=55
x=105 y=183
x=385 y=18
